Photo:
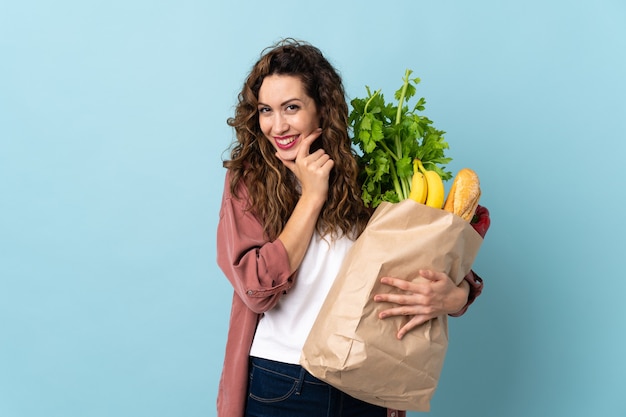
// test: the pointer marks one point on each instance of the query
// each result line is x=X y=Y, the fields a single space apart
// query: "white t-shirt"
x=282 y=331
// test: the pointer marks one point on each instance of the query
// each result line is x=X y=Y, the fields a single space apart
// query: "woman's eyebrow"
x=283 y=103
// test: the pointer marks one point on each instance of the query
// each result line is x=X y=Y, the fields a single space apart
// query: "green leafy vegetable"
x=389 y=137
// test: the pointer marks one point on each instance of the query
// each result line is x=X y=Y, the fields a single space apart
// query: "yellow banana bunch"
x=434 y=184
x=419 y=187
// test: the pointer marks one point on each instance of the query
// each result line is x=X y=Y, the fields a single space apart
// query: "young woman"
x=291 y=210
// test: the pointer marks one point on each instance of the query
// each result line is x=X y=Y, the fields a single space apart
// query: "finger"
x=322 y=158
x=432 y=275
x=399 y=299
x=417 y=285
x=303 y=150
x=307 y=141
x=397 y=283
x=317 y=160
x=407 y=310
x=412 y=324
x=327 y=166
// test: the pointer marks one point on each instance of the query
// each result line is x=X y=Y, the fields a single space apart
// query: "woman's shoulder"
x=234 y=186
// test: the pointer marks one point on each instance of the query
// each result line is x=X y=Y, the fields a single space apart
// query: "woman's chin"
x=287 y=154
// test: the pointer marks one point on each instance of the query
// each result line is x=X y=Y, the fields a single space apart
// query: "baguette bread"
x=464 y=194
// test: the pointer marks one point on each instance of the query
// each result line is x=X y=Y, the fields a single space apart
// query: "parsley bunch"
x=389 y=137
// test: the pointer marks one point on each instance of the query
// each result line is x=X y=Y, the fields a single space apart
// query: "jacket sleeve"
x=257 y=268
x=480 y=223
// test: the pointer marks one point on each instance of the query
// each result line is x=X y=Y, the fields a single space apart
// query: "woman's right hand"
x=313 y=172
x=311 y=169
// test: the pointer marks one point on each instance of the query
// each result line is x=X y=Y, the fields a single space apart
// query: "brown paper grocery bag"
x=349 y=347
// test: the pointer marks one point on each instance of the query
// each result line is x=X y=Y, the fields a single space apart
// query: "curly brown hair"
x=272 y=188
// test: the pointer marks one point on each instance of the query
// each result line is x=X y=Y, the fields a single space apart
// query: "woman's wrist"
x=475 y=284
x=460 y=297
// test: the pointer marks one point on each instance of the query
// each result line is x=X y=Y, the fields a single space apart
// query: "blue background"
x=112 y=130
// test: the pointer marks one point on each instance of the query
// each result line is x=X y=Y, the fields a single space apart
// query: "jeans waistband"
x=288 y=369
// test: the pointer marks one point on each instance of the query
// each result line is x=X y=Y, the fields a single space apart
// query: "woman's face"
x=286 y=113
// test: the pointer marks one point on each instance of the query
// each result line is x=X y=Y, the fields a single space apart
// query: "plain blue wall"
x=112 y=129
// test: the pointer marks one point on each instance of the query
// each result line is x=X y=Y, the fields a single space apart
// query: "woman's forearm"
x=299 y=229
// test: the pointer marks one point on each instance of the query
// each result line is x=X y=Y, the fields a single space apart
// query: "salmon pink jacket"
x=259 y=273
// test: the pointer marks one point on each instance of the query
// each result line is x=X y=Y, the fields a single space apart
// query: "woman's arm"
x=261 y=271
x=433 y=293
x=312 y=172
x=258 y=270
x=430 y=295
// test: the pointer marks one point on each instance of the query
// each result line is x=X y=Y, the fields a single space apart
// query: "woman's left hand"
x=430 y=295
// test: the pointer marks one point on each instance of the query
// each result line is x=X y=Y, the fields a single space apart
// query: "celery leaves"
x=389 y=136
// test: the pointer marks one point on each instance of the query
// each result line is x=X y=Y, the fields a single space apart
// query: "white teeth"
x=286 y=141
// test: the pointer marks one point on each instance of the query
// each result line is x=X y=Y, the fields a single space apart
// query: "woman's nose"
x=280 y=124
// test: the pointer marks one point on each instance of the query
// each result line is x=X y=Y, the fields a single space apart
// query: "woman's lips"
x=285 y=142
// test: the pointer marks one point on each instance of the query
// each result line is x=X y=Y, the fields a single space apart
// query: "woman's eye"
x=293 y=107
x=264 y=109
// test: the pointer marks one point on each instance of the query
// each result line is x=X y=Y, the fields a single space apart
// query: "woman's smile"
x=285 y=142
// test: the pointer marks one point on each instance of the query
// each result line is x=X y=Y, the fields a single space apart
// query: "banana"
x=419 y=187
x=436 y=191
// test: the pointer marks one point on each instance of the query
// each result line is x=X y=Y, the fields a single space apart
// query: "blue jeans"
x=279 y=389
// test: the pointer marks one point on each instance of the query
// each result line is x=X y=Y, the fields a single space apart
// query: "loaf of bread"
x=464 y=194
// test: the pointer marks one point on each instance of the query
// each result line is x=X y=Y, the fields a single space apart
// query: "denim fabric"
x=284 y=390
